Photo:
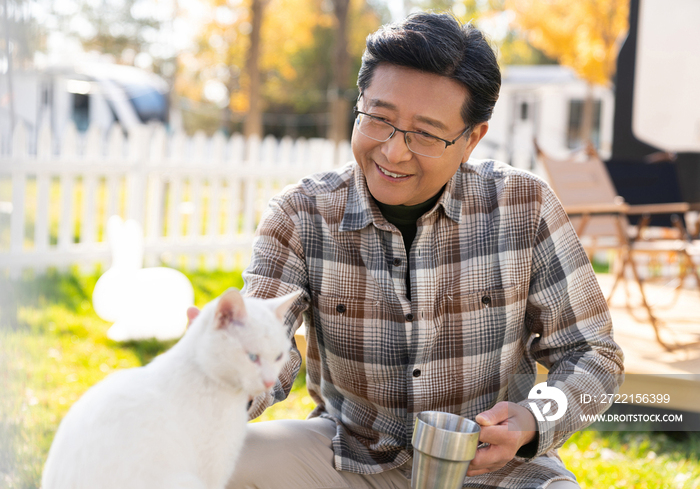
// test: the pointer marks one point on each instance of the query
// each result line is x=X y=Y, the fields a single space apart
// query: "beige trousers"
x=297 y=454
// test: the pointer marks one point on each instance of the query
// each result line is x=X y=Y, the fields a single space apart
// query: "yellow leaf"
x=582 y=34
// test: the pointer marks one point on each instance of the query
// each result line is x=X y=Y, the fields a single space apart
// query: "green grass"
x=57 y=348
x=634 y=459
x=601 y=266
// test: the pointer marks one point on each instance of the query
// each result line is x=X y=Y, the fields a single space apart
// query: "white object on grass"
x=141 y=302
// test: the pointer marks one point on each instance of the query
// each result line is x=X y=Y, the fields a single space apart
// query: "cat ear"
x=280 y=305
x=230 y=308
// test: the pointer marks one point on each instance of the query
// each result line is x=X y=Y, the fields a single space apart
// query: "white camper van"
x=544 y=102
x=85 y=95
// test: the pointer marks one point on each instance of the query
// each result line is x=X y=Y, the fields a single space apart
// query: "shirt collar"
x=361 y=211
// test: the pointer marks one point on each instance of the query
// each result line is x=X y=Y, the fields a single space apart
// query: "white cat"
x=178 y=422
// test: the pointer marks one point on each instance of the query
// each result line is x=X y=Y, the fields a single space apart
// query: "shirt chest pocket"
x=481 y=324
x=472 y=347
x=359 y=341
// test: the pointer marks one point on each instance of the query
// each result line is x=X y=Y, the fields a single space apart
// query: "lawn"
x=57 y=348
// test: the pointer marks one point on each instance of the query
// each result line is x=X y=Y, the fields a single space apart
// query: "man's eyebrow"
x=432 y=122
x=427 y=120
x=375 y=102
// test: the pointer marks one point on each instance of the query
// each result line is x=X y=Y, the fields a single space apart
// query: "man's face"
x=412 y=100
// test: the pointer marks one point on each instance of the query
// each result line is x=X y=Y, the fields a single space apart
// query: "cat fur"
x=178 y=422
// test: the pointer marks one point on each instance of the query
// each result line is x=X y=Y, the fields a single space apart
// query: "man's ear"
x=475 y=136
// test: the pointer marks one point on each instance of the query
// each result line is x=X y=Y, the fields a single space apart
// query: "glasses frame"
x=447 y=142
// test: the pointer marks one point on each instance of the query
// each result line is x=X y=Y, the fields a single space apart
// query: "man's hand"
x=505 y=427
x=192 y=312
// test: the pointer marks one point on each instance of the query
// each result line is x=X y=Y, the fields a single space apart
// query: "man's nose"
x=395 y=149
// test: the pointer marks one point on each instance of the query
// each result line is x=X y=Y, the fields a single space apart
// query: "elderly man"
x=430 y=282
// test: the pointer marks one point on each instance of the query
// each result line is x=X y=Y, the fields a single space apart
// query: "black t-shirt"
x=405 y=218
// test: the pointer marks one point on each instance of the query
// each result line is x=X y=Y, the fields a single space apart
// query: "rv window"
x=81 y=111
x=523 y=111
x=575 y=129
x=150 y=104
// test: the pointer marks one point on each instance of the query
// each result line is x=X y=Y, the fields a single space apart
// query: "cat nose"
x=269 y=383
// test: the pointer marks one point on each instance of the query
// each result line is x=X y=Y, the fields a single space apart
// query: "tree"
x=320 y=71
x=296 y=60
x=253 y=121
x=582 y=34
x=246 y=48
x=339 y=105
x=120 y=28
x=492 y=17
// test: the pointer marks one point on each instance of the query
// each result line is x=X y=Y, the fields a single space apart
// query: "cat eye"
x=253 y=357
x=279 y=357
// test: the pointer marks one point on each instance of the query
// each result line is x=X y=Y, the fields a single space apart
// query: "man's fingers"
x=497 y=435
x=505 y=430
x=486 y=457
x=503 y=444
x=487 y=460
x=483 y=470
x=493 y=416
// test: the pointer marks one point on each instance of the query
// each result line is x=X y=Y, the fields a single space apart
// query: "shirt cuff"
x=544 y=437
x=529 y=450
x=258 y=405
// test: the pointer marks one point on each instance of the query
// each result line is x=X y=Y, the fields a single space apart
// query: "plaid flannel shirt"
x=499 y=282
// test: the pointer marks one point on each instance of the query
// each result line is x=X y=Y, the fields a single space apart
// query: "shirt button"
x=397 y=262
x=486 y=300
x=340 y=308
x=416 y=372
x=409 y=317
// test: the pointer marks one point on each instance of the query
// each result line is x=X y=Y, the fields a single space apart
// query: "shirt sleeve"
x=568 y=314
x=277 y=268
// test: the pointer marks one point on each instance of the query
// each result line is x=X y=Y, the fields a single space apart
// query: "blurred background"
x=177 y=120
x=289 y=67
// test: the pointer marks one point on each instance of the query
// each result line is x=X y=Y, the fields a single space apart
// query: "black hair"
x=439 y=44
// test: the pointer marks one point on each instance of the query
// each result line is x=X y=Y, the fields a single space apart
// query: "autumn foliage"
x=295 y=54
x=582 y=34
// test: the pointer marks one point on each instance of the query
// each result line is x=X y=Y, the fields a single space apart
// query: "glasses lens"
x=425 y=145
x=374 y=128
x=381 y=131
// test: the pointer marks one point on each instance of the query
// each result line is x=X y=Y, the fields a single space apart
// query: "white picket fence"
x=198 y=199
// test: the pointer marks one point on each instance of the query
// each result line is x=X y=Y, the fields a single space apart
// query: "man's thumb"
x=494 y=415
x=484 y=419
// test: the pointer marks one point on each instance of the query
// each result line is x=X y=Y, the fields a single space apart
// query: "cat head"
x=245 y=341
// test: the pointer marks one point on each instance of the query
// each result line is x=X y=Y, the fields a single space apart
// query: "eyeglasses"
x=419 y=143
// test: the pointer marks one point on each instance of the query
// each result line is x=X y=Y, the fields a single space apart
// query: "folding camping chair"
x=599 y=216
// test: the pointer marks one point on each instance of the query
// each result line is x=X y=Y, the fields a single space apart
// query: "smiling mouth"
x=391 y=174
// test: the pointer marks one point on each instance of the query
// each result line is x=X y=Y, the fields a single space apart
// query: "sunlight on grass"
x=639 y=460
x=58 y=349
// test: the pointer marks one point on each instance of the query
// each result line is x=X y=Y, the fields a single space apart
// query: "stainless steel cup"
x=443 y=446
